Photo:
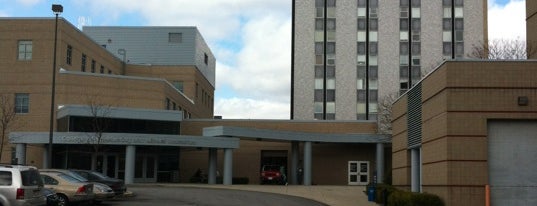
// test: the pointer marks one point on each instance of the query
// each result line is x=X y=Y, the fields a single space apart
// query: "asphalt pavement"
x=204 y=194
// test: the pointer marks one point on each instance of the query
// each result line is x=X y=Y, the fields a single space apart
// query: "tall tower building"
x=349 y=54
x=531 y=27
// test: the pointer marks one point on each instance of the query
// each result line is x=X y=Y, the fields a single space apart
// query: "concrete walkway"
x=330 y=195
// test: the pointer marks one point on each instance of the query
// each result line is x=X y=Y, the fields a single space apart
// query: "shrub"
x=405 y=198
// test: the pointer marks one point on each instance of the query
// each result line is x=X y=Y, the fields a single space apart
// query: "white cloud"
x=250 y=38
x=263 y=64
x=239 y=108
x=507 y=22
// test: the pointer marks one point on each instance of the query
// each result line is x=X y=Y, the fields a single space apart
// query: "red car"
x=273 y=174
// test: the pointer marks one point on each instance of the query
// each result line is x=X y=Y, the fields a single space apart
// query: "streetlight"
x=57 y=9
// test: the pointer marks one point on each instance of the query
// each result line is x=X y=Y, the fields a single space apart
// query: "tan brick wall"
x=458 y=100
x=35 y=77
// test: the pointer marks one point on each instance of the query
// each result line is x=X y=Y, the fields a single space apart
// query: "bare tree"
x=7 y=118
x=502 y=49
x=385 y=113
x=100 y=121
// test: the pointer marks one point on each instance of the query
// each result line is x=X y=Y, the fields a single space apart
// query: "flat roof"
x=277 y=135
x=120 y=113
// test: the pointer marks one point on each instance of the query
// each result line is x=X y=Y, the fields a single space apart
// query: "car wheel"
x=62 y=200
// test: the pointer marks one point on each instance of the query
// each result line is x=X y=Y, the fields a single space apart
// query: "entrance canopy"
x=277 y=135
x=124 y=139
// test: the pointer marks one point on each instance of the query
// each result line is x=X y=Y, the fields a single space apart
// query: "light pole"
x=57 y=9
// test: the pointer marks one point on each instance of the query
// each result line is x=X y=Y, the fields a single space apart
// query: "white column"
x=130 y=156
x=20 y=153
x=415 y=170
x=228 y=166
x=294 y=162
x=380 y=162
x=212 y=166
x=307 y=163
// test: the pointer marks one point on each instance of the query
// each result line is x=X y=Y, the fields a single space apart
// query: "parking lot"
x=152 y=195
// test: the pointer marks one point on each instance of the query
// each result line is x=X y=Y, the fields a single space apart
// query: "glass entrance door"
x=358 y=173
x=145 y=168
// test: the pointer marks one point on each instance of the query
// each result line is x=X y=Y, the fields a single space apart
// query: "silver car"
x=20 y=185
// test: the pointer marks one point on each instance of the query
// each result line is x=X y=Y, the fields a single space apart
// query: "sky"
x=251 y=40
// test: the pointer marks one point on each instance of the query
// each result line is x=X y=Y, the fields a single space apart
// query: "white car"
x=20 y=185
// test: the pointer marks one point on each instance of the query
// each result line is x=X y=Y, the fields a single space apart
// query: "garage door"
x=513 y=162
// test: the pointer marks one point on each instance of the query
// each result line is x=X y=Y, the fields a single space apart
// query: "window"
x=5 y=178
x=206 y=59
x=319 y=24
x=175 y=37
x=69 y=55
x=330 y=24
x=168 y=104
x=83 y=63
x=178 y=85
x=93 y=66
x=22 y=102
x=25 y=50
x=319 y=48
x=102 y=69
x=330 y=47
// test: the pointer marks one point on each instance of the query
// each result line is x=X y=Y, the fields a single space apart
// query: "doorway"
x=358 y=173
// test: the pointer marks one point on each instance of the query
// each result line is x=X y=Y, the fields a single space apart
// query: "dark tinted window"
x=31 y=178
x=5 y=178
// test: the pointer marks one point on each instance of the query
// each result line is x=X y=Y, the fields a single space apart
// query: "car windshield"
x=68 y=178
x=31 y=178
x=271 y=168
x=77 y=176
x=100 y=175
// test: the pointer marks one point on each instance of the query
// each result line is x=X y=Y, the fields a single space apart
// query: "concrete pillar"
x=212 y=166
x=228 y=166
x=45 y=157
x=20 y=153
x=380 y=162
x=307 y=163
x=130 y=157
x=415 y=170
x=294 y=162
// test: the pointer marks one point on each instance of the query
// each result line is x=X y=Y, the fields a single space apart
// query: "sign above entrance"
x=125 y=139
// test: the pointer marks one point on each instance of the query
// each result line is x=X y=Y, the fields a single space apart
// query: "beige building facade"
x=156 y=115
x=466 y=125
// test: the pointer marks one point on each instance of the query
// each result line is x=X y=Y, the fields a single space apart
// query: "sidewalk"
x=330 y=195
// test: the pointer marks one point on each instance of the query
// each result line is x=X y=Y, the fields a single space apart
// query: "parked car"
x=116 y=184
x=52 y=198
x=68 y=188
x=102 y=191
x=273 y=174
x=20 y=185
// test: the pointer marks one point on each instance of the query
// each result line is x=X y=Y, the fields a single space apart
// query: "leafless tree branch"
x=7 y=118
x=502 y=49
x=385 y=113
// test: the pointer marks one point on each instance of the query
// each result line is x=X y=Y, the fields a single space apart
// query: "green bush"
x=405 y=198
x=400 y=198
x=426 y=199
